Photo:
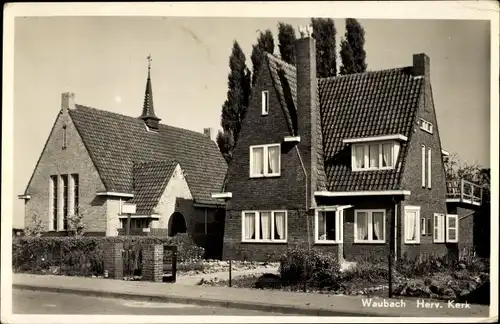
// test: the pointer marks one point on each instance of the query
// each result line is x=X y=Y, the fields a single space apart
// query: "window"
x=426 y=126
x=264 y=226
x=265 y=160
x=76 y=196
x=135 y=223
x=64 y=138
x=423 y=166
x=54 y=192
x=265 y=102
x=452 y=228
x=374 y=156
x=429 y=163
x=439 y=220
x=65 y=201
x=328 y=226
x=423 y=226
x=412 y=224
x=369 y=226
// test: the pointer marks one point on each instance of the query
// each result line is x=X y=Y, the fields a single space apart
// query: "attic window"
x=426 y=126
x=65 y=138
x=265 y=102
x=374 y=155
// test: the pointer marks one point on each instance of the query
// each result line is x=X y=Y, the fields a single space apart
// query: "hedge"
x=85 y=256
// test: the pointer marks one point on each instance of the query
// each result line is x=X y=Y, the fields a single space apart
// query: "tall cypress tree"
x=352 y=49
x=236 y=104
x=286 y=39
x=324 y=33
x=265 y=43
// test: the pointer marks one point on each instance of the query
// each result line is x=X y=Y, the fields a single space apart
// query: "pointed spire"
x=148 y=112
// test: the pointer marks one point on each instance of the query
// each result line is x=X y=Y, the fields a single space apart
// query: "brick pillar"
x=113 y=261
x=152 y=263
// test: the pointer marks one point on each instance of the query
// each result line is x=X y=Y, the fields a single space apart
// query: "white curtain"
x=279 y=220
x=321 y=226
x=360 y=157
x=386 y=155
x=378 y=226
x=362 y=225
x=374 y=155
x=258 y=160
x=249 y=226
x=265 y=225
x=410 y=225
x=273 y=157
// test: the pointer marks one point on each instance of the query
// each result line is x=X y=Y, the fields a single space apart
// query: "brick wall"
x=113 y=260
x=431 y=200
x=55 y=160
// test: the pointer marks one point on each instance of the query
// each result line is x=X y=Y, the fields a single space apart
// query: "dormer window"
x=426 y=126
x=265 y=102
x=374 y=155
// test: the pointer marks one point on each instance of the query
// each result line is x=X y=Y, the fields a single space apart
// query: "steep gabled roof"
x=150 y=181
x=362 y=105
x=358 y=105
x=115 y=142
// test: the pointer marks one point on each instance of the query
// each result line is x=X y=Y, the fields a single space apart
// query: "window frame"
x=257 y=227
x=366 y=155
x=423 y=226
x=424 y=174
x=417 y=225
x=339 y=223
x=429 y=168
x=426 y=126
x=370 y=226
x=265 y=102
x=65 y=200
x=54 y=202
x=456 y=228
x=441 y=239
x=265 y=161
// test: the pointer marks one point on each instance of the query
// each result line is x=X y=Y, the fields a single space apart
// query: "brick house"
x=94 y=161
x=352 y=165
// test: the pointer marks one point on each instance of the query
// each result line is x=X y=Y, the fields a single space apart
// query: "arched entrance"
x=176 y=224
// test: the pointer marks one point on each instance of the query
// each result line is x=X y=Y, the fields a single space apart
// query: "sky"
x=103 y=60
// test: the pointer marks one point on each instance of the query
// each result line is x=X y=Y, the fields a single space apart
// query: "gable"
x=116 y=142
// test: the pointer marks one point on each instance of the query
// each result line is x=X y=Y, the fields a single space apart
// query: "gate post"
x=152 y=263
x=113 y=261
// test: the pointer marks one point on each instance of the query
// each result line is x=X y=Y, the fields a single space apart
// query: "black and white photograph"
x=247 y=162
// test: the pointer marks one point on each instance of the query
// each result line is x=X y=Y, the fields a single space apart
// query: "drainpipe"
x=306 y=200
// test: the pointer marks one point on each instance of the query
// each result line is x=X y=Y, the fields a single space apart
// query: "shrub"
x=315 y=267
x=365 y=270
x=85 y=255
x=412 y=268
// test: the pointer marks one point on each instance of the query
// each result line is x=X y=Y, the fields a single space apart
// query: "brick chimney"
x=67 y=101
x=207 y=132
x=421 y=65
x=307 y=110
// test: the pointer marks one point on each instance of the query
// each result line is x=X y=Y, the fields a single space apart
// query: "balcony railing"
x=464 y=191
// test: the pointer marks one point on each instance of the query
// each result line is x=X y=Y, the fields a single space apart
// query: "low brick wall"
x=113 y=260
x=152 y=258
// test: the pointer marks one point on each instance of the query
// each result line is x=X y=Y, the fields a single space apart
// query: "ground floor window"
x=412 y=224
x=328 y=225
x=369 y=226
x=439 y=228
x=452 y=228
x=135 y=223
x=264 y=226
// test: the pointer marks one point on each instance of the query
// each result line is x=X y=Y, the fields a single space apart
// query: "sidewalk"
x=254 y=299
x=224 y=275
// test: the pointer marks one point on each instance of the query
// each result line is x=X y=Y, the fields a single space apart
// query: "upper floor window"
x=265 y=102
x=64 y=138
x=369 y=226
x=426 y=126
x=374 y=156
x=265 y=160
x=426 y=167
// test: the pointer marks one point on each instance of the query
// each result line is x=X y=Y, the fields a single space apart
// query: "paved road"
x=37 y=302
